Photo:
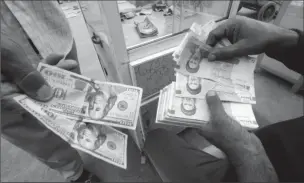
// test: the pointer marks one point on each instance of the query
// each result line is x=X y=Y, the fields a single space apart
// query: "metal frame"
x=118 y=52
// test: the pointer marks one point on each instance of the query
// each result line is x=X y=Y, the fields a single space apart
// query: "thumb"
x=53 y=59
x=59 y=61
x=238 y=49
x=216 y=109
x=16 y=66
x=67 y=64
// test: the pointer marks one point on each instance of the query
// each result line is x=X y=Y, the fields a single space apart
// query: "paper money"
x=188 y=111
x=78 y=97
x=191 y=57
x=197 y=34
x=196 y=87
x=183 y=103
x=162 y=109
x=103 y=142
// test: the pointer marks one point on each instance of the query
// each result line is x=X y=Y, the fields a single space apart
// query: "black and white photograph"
x=152 y=91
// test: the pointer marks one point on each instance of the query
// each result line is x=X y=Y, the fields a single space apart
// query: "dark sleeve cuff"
x=301 y=37
x=292 y=57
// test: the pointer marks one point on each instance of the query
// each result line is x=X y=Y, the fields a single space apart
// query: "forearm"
x=288 y=49
x=251 y=161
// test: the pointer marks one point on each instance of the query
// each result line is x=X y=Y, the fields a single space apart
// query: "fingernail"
x=211 y=57
x=45 y=93
x=211 y=93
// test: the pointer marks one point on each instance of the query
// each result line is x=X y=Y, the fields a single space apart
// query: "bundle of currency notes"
x=194 y=112
x=183 y=101
x=84 y=112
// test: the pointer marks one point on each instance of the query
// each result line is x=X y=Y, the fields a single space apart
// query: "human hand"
x=18 y=75
x=226 y=133
x=243 y=149
x=248 y=37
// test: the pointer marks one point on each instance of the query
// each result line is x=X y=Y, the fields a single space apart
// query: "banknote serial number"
x=54 y=74
x=66 y=108
x=132 y=90
x=126 y=122
x=249 y=121
x=247 y=98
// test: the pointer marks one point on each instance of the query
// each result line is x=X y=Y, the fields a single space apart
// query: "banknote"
x=161 y=113
x=196 y=39
x=198 y=34
x=161 y=117
x=196 y=87
x=79 y=97
x=186 y=108
x=194 y=111
x=103 y=142
x=191 y=57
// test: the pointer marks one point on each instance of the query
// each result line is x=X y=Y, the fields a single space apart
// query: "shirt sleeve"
x=292 y=58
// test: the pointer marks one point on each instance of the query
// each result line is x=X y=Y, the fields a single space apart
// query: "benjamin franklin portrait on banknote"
x=89 y=136
x=100 y=100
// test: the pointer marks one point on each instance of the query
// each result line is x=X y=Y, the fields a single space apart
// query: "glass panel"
x=294 y=15
x=262 y=10
x=201 y=11
x=158 y=20
x=144 y=21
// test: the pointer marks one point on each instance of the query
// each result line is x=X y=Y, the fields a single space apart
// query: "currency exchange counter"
x=134 y=41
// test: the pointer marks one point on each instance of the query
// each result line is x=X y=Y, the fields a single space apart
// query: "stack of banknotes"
x=183 y=101
x=84 y=112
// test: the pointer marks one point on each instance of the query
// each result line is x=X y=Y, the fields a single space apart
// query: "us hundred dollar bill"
x=196 y=87
x=102 y=142
x=191 y=57
x=78 y=97
x=196 y=111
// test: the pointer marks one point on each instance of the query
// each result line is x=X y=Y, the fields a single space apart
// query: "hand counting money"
x=191 y=56
x=78 y=97
x=183 y=102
